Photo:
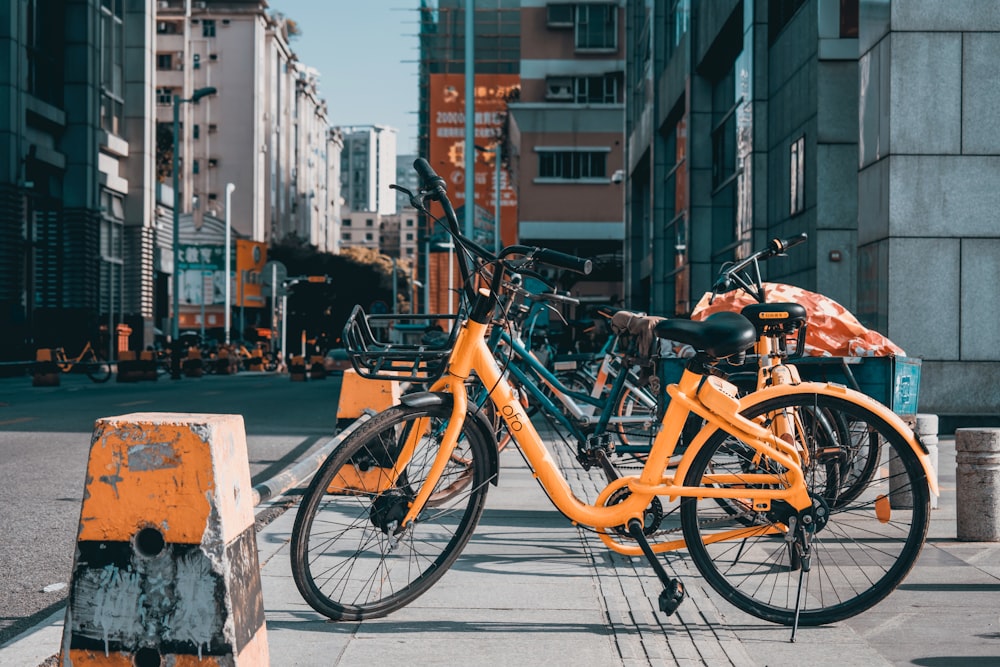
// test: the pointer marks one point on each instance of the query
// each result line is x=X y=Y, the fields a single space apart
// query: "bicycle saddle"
x=772 y=318
x=720 y=335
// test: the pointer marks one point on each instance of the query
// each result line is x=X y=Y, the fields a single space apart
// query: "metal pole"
x=470 y=123
x=284 y=323
x=229 y=250
x=395 y=298
x=497 y=153
x=202 y=299
x=175 y=325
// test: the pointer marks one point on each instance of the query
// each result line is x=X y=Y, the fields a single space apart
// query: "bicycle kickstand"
x=673 y=590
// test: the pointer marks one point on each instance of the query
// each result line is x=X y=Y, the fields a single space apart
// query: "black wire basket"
x=371 y=344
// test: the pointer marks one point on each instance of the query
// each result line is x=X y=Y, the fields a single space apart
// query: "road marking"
x=18 y=420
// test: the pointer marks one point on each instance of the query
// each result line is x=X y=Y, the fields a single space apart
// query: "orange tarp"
x=831 y=330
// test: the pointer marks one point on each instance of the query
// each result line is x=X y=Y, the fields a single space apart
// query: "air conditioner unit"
x=558 y=89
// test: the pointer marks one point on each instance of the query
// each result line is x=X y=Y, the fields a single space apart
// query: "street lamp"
x=229 y=235
x=178 y=100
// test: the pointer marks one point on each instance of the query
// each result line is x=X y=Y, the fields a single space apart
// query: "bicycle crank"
x=673 y=590
x=651 y=516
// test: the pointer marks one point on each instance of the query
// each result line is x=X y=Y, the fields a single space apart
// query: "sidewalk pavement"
x=532 y=589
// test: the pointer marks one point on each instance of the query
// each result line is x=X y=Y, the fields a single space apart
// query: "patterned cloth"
x=831 y=330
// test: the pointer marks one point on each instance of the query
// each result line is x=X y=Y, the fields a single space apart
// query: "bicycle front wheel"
x=350 y=558
x=98 y=369
x=866 y=547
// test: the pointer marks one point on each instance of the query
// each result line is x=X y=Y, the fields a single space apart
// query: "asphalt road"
x=44 y=444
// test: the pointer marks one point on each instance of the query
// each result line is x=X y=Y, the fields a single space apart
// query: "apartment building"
x=86 y=175
x=368 y=168
x=569 y=122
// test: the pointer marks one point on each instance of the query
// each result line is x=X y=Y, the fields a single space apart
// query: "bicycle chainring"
x=651 y=516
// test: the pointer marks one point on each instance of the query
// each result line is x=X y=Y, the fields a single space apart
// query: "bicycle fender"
x=862 y=400
x=427 y=399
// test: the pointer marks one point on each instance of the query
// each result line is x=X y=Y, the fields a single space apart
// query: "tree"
x=357 y=276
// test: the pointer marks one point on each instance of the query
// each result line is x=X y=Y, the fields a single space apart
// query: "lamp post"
x=229 y=242
x=178 y=100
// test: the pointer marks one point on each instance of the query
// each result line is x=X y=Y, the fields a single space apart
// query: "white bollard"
x=927 y=431
x=977 y=484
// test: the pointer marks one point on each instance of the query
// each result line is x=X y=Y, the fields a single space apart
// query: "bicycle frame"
x=471 y=353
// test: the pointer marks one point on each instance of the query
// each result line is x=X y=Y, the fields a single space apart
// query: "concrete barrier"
x=45 y=372
x=166 y=569
x=927 y=430
x=193 y=365
x=297 y=369
x=317 y=371
x=977 y=484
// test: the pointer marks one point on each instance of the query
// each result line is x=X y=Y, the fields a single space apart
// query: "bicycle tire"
x=346 y=561
x=98 y=369
x=864 y=551
x=637 y=435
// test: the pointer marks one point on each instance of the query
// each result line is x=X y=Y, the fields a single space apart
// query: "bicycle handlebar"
x=729 y=275
x=779 y=246
x=434 y=188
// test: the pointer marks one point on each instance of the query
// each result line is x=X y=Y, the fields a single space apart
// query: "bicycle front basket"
x=398 y=347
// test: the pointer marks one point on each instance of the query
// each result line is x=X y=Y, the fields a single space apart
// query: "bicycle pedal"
x=671 y=597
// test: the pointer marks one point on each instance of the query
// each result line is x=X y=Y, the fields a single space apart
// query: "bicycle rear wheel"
x=857 y=558
x=98 y=369
x=350 y=560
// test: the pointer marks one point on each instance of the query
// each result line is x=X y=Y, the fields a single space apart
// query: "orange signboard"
x=447 y=146
x=250 y=259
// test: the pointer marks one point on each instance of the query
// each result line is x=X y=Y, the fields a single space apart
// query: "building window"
x=797 y=177
x=409 y=222
x=208 y=28
x=346 y=236
x=164 y=96
x=559 y=15
x=212 y=196
x=112 y=41
x=45 y=49
x=166 y=28
x=213 y=162
x=213 y=128
x=572 y=165
x=195 y=167
x=369 y=223
x=678 y=23
x=596 y=26
x=369 y=236
x=602 y=89
x=409 y=237
x=196 y=132
x=724 y=106
x=346 y=222
x=164 y=61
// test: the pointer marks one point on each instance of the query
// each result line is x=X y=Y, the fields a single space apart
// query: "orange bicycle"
x=93 y=363
x=392 y=507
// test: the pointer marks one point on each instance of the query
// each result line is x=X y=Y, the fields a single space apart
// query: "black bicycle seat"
x=719 y=335
x=774 y=318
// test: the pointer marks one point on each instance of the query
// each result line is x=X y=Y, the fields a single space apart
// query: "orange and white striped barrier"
x=166 y=569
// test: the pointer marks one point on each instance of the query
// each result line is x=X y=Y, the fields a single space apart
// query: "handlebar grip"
x=428 y=179
x=779 y=246
x=561 y=260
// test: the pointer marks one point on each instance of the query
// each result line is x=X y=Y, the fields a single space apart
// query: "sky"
x=366 y=53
